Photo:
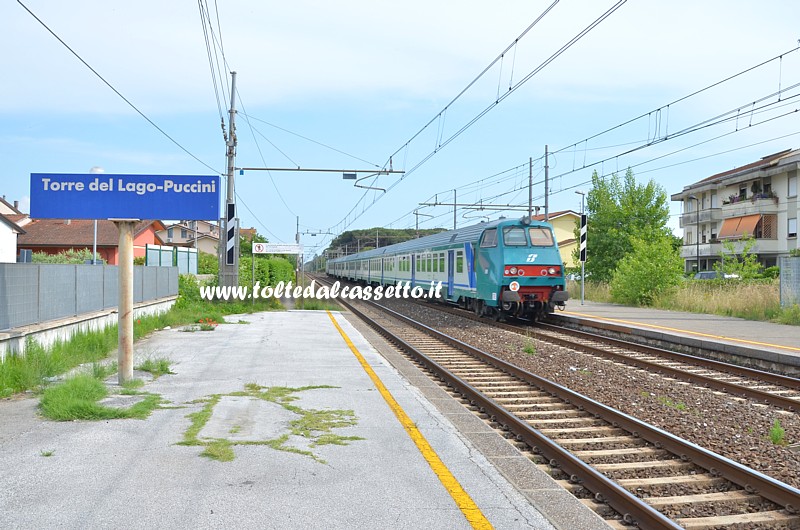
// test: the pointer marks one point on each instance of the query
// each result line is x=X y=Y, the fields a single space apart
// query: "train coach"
x=502 y=268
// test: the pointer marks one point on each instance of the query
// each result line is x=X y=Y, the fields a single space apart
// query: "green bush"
x=650 y=270
x=207 y=263
x=70 y=256
x=771 y=273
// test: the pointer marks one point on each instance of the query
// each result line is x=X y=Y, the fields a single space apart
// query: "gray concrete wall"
x=40 y=292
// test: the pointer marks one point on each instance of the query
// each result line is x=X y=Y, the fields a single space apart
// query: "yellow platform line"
x=686 y=331
x=465 y=503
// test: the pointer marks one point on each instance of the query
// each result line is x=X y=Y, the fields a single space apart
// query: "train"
x=504 y=268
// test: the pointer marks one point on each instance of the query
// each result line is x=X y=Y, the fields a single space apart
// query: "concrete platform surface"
x=314 y=444
x=761 y=340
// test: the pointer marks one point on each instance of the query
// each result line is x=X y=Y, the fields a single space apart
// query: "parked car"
x=714 y=275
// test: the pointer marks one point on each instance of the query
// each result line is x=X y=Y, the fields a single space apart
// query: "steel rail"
x=701 y=380
x=768 y=377
x=618 y=498
x=631 y=507
x=776 y=400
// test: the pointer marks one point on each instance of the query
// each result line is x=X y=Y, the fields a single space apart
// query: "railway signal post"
x=583 y=243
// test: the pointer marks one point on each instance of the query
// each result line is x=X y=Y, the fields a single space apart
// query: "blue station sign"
x=101 y=196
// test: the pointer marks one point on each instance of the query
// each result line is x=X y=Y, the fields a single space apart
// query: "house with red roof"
x=54 y=236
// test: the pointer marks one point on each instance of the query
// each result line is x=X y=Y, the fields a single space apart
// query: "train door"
x=451 y=259
x=382 y=260
x=413 y=268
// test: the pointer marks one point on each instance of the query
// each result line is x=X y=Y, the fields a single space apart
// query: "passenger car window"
x=541 y=237
x=489 y=238
x=514 y=236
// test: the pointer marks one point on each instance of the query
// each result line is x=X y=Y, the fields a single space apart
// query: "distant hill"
x=364 y=239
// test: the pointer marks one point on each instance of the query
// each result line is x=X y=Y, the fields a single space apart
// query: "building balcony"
x=763 y=203
x=707 y=250
x=706 y=216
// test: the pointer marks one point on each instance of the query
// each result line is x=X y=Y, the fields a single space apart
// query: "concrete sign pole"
x=125 y=313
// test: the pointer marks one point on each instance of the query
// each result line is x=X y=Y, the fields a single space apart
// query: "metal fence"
x=165 y=256
x=33 y=293
x=790 y=281
x=186 y=260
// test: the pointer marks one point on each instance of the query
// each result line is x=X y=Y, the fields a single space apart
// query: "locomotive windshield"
x=541 y=237
x=514 y=236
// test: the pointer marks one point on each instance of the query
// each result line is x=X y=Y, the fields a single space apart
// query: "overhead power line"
x=117 y=92
x=347 y=221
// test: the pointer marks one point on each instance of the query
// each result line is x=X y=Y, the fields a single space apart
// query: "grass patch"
x=101 y=371
x=157 y=367
x=530 y=347
x=131 y=388
x=77 y=399
x=752 y=300
x=219 y=450
x=31 y=370
x=315 y=304
x=668 y=402
x=199 y=420
x=777 y=434
x=314 y=425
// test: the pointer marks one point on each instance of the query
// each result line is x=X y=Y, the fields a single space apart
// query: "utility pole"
x=454 y=209
x=229 y=268
x=530 y=189
x=546 y=187
x=297 y=260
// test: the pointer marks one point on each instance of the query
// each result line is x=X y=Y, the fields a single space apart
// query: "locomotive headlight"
x=512 y=270
x=551 y=271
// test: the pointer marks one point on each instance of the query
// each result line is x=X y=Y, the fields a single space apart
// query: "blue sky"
x=364 y=77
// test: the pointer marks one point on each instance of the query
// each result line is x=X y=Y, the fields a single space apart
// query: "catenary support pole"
x=546 y=186
x=229 y=272
x=530 y=188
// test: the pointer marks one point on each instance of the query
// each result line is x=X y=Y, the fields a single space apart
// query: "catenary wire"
x=117 y=92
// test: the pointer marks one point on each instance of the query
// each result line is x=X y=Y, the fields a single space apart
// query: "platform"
x=763 y=341
x=316 y=443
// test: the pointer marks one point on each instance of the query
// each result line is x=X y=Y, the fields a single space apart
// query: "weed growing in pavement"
x=77 y=399
x=102 y=370
x=777 y=434
x=131 y=388
x=157 y=367
x=315 y=304
x=219 y=450
x=50 y=452
x=31 y=370
x=314 y=425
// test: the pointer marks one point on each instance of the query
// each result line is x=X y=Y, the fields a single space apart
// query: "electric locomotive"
x=502 y=268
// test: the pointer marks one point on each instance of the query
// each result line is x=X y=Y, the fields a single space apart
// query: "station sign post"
x=124 y=199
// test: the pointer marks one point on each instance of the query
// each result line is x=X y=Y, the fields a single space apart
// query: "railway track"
x=764 y=387
x=650 y=477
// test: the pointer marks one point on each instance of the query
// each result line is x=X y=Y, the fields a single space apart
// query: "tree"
x=652 y=268
x=739 y=261
x=620 y=210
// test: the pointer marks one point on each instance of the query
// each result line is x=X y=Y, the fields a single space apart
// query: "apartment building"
x=758 y=200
